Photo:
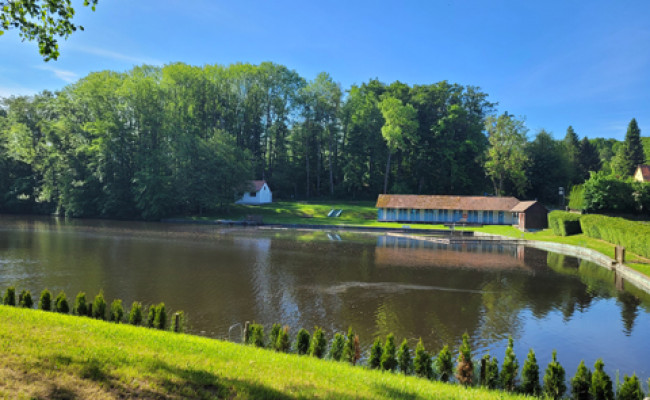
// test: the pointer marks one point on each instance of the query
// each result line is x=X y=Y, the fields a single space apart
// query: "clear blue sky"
x=556 y=63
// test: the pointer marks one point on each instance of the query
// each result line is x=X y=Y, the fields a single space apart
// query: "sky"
x=555 y=63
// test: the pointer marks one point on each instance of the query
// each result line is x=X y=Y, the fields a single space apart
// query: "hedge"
x=635 y=236
x=564 y=223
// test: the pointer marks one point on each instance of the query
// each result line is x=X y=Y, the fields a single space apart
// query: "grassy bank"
x=54 y=356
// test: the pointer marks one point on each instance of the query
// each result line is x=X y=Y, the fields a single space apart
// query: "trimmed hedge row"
x=564 y=223
x=635 y=236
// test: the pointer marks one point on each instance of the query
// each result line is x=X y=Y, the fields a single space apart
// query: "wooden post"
x=483 y=368
x=620 y=254
x=177 y=322
x=619 y=283
x=246 y=332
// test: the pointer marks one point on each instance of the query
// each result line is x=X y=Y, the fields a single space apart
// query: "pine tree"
x=80 y=307
x=283 y=340
x=160 y=321
x=422 y=362
x=589 y=159
x=376 y=351
x=135 y=314
x=601 y=384
x=444 y=365
x=491 y=380
x=404 y=359
x=554 y=379
x=318 y=344
x=336 y=351
x=302 y=341
x=572 y=150
x=630 y=389
x=581 y=382
x=464 y=366
x=350 y=348
x=10 y=297
x=117 y=311
x=273 y=336
x=99 y=306
x=45 y=302
x=633 y=148
x=25 y=299
x=388 y=359
x=530 y=375
x=510 y=368
x=61 y=303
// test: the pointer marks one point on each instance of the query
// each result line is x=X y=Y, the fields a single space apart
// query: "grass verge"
x=54 y=356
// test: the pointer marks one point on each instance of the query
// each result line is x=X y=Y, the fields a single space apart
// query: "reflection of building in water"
x=404 y=251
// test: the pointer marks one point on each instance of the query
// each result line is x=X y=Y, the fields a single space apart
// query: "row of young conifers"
x=585 y=385
x=156 y=315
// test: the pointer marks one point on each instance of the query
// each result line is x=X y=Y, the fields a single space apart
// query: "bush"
x=601 y=384
x=336 y=351
x=635 y=236
x=564 y=223
x=117 y=311
x=389 y=359
x=444 y=365
x=630 y=389
x=256 y=335
x=135 y=314
x=45 y=302
x=577 y=198
x=352 y=348
x=61 y=303
x=376 y=351
x=491 y=380
x=178 y=324
x=80 y=306
x=302 y=341
x=464 y=365
x=554 y=385
x=530 y=375
x=151 y=316
x=422 y=362
x=25 y=299
x=318 y=345
x=283 y=340
x=10 y=297
x=404 y=360
x=273 y=336
x=608 y=193
x=160 y=321
x=510 y=368
x=99 y=306
x=581 y=382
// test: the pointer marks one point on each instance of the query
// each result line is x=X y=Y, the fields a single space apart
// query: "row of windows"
x=445 y=215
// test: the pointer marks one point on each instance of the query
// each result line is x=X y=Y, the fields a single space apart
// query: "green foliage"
x=256 y=335
x=273 y=336
x=178 y=324
x=160 y=321
x=336 y=350
x=282 y=344
x=25 y=299
x=601 y=384
x=9 y=298
x=465 y=365
x=61 y=303
x=554 y=379
x=510 y=368
x=577 y=198
x=80 y=306
x=117 y=311
x=135 y=314
x=581 y=383
x=530 y=375
x=630 y=389
x=151 y=316
x=388 y=358
x=564 y=223
x=631 y=153
x=589 y=159
x=404 y=359
x=376 y=351
x=635 y=236
x=45 y=302
x=318 y=345
x=444 y=364
x=351 y=350
x=547 y=168
x=422 y=363
x=302 y=341
x=491 y=380
x=99 y=306
x=608 y=193
x=506 y=158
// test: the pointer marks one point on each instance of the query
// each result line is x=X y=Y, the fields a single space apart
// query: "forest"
x=184 y=140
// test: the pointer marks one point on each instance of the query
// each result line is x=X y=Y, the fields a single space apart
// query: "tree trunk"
x=387 y=171
x=330 y=163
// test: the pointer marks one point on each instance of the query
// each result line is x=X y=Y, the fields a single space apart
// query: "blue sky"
x=556 y=63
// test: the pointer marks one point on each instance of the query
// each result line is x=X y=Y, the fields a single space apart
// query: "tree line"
x=176 y=140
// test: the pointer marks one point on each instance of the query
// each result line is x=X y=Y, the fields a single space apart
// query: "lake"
x=375 y=283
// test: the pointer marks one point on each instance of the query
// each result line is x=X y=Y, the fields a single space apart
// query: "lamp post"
x=561 y=193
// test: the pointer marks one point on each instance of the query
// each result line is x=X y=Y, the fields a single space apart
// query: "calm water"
x=375 y=283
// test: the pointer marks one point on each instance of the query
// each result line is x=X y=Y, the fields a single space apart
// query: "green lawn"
x=52 y=356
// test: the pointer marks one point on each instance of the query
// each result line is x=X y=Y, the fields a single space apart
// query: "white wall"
x=262 y=197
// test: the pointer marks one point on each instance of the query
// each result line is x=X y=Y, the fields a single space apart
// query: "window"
x=252 y=194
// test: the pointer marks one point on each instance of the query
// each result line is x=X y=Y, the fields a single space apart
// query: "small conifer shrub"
x=318 y=345
x=160 y=321
x=422 y=364
x=99 y=306
x=178 y=324
x=273 y=336
x=336 y=351
x=465 y=366
x=491 y=380
x=256 y=335
x=151 y=315
x=25 y=299
x=530 y=375
x=630 y=389
x=302 y=341
x=61 y=303
x=389 y=358
x=554 y=379
x=9 y=298
x=601 y=384
x=117 y=311
x=351 y=349
x=581 y=382
x=283 y=344
x=376 y=351
x=45 y=302
x=444 y=365
x=510 y=368
x=135 y=314
x=80 y=305
x=404 y=359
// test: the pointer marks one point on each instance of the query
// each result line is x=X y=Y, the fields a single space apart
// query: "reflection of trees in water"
x=629 y=304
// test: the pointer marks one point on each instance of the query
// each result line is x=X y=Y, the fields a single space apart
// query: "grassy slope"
x=47 y=355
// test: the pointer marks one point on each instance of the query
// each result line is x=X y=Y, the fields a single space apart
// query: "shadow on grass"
x=394 y=393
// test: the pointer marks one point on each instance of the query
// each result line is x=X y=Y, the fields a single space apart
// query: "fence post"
x=246 y=332
x=177 y=322
x=483 y=364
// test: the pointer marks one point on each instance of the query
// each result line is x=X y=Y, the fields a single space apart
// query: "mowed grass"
x=53 y=356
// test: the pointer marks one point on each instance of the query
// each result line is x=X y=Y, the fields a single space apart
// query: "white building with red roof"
x=642 y=173
x=258 y=193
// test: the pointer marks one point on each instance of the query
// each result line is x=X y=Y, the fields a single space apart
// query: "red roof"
x=645 y=172
x=439 y=202
x=257 y=185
